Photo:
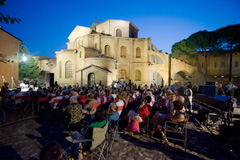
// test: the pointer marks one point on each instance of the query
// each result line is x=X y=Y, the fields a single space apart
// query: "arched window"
x=107 y=50
x=68 y=69
x=60 y=69
x=122 y=74
x=138 y=52
x=91 y=79
x=123 y=52
x=118 y=33
x=137 y=75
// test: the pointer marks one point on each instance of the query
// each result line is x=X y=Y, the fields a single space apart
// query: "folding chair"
x=179 y=128
x=42 y=100
x=146 y=124
x=21 y=98
x=112 y=133
x=99 y=143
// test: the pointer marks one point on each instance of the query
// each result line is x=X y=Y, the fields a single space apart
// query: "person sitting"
x=162 y=116
x=90 y=103
x=177 y=115
x=52 y=151
x=141 y=116
x=113 y=115
x=101 y=121
x=18 y=93
x=74 y=114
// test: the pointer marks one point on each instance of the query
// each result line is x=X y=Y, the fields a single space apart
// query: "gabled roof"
x=120 y=20
x=11 y=34
x=92 y=65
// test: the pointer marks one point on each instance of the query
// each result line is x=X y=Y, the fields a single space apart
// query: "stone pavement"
x=25 y=139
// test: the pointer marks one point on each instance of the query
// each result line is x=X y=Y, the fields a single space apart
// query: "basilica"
x=107 y=52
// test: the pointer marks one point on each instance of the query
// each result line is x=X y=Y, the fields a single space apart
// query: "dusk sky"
x=46 y=24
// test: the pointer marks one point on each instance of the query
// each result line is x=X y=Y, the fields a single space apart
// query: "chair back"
x=43 y=99
x=19 y=97
x=98 y=136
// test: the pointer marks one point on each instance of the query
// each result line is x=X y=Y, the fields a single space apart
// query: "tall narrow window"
x=137 y=75
x=80 y=54
x=68 y=69
x=215 y=65
x=138 y=52
x=60 y=69
x=236 y=64
x=122 y=74
x=153 y=59
x=123 y=52
x=222 y=64
x=107 y=50
x=202 y=65
x=95 y=45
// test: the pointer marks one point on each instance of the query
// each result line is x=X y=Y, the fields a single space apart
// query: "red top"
x=145 y=110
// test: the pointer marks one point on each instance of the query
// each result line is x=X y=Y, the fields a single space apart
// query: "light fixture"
x=222 y=76
x=24 y=58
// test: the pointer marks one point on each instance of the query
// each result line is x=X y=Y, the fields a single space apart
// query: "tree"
x=29 y=69
x=7 y=18
x=228 y=39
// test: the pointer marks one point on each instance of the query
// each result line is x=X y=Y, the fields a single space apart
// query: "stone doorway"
x=91 y=79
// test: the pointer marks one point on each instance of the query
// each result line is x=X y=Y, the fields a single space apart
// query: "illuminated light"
x=215 y=76
x=222 y=76
x=231 y=150
x=235 y=76
x=24 y=58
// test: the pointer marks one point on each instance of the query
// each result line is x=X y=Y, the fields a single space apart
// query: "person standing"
x=230 y=89
x=220 y=90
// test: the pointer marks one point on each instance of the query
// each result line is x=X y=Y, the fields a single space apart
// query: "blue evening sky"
x=46 y=24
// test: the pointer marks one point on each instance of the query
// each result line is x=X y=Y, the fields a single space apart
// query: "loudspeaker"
x=208 y=90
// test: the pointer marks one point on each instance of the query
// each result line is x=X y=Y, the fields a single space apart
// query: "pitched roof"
x=11 y=34
x=92 y=65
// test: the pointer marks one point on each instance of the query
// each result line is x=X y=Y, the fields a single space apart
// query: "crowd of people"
x=83 y=108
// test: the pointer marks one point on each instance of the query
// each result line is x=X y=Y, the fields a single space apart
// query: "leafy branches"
x=7 y=18
x=216 y=42
x=29 y=69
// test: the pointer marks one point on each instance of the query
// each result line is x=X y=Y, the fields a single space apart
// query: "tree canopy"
x=29 y=69
x=7 y=18
x=215 y=42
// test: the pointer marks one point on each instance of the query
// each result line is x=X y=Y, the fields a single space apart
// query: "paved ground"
x=25 y=139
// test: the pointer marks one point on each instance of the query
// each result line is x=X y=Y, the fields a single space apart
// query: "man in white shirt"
x=230 y=89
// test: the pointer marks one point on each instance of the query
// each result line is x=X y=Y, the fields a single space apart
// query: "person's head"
x=18 y=90
x=74 y=93
x=6 y=84
x=89 y=96
x=112 y=108
x=189 y=87
x=119 y=97
x=230 y=82
x=101 y=114
x=173 y=97
x=52 y=151
x=178 y=105
x=73 y=99
x=181 y=99
x=219 y=85
x=148 y=99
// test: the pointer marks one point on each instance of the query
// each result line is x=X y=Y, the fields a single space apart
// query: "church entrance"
x=91 y=79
